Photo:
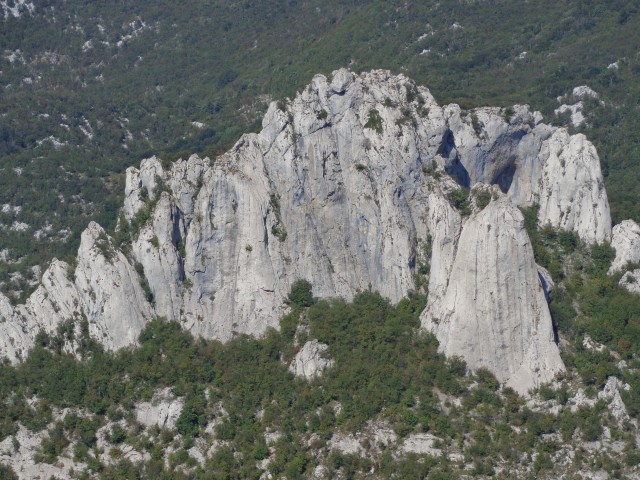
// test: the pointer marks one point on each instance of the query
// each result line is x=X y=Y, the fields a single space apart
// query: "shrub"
x=301 y=293
x=508 y=113
x=374 y=122
x=460 y=200
x=482 y=199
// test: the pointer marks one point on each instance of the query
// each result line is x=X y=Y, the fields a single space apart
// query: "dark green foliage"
x=486 y=379
x=301 y=293
x=508 y=113
x=144 y=283
x=53 y=445
x=279 y=232
x=374 y=121
x=289 y=323
x=601 y=257
x=460 y=199
x=606 y=312
x=632 y=458
x=384 y=368
x=482 y=199
x=118 y=434
x=277 y=229
x=379 y=354
x=192 y=416
x=7 y=473
x=476 y=124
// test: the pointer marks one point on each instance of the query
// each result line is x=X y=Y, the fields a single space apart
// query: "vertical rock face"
x=532 y=163
x=15 y=340
x=332 y=190
x=494 y=313
x=104 y=290
x=109 y=291
x=572 y=194
x=626 y=242
x=345 y=186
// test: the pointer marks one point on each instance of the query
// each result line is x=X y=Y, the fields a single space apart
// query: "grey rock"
x=104 y=290
x=163 y=410
x=532 y=163
x=546 y=281
x=421 y=444
x=23 y=460
x=626 y=242
x=345 y=187
x=311 y=361
x=15 y=337
x=494 y=313
x=572 y=194
x=631 y=281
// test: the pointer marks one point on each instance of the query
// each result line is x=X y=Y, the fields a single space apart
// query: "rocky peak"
x=345 y=186
x=494 y=312
x=532 y=163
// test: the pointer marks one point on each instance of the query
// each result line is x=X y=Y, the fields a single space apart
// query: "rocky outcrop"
x=332 y=190
x=626 y=242
x=19 y=452
x=339 y=184
x=15 y=337
x=572 y=194
x=163 y=410
x=610 y=394
x=532 y=163
x=345 y=186
x=104 y=289
x=631 y=281
x=494 y=313
x=422 y=444
x=311 y=361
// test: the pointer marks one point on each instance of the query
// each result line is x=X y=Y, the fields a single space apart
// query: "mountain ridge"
x=342 y=185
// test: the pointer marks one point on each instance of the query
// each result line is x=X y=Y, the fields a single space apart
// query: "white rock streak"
x=626 y=242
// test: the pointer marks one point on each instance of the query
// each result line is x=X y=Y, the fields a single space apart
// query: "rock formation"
x=532 y=163
x=626 y=242
x=163 y=410
x=103 y=289
x=631 y=281
x=310 y=361
x=494 y=313
x=345 y=186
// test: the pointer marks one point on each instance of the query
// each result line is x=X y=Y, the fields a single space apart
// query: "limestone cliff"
x=345 y=186
x=494 y=313
x=104 y=289
x=532 y=163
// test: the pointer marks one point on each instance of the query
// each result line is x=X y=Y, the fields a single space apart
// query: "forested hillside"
x=89 y=89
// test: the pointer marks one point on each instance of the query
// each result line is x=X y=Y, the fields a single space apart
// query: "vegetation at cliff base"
x=387 y=374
